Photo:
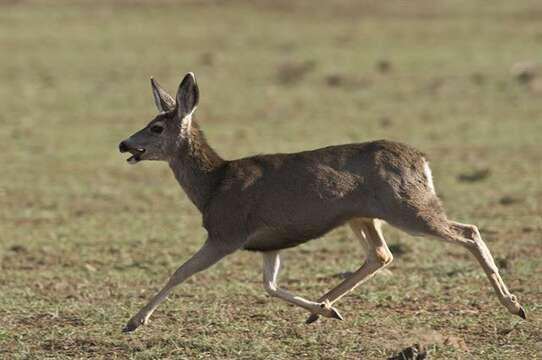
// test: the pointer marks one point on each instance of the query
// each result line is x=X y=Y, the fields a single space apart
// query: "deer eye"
x=157 y=129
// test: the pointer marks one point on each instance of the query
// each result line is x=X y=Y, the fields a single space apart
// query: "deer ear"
x=187 y=97
x=164 y=102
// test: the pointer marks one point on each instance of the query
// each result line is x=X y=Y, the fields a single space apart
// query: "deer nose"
x=123 y=147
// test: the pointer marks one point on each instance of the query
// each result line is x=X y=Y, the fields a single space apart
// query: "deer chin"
x=136 y=156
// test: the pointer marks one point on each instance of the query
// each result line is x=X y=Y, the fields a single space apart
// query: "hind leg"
x=469 y=237
x=369 y=232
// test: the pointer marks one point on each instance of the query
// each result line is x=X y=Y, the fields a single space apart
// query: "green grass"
x=85 y=240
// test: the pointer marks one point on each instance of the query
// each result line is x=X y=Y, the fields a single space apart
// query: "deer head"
x=164 y=134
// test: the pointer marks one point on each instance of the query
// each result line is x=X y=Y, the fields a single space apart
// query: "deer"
x=268 y=203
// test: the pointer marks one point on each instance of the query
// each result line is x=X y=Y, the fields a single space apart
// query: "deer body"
x=267 y=203
x=275 y=199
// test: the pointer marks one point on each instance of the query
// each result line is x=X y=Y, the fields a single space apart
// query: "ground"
x=86 y=239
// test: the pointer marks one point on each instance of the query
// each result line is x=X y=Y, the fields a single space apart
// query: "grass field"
x=85 y=239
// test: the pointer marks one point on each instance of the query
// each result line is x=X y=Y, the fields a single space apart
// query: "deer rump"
x=284 y=200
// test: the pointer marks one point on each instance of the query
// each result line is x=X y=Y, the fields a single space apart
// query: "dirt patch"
x=414 y=352
x=50 y=319
x=525 y=72
x=346 y=81
x=383 y=66
x=474 y=176
x=509 y=200
x=21 y=258
x=83 y=346
x=423 y=340
x=290 y=73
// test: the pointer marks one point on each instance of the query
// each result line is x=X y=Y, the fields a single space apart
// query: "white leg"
x=369 y=233
x=208 y=255
x=271 y=266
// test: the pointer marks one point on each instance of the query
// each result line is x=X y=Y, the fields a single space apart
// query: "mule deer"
x=267 y=203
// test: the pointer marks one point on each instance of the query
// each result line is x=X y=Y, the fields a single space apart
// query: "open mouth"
x=136 y=155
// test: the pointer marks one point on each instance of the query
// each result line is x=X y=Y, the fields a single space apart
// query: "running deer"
x=267 y=203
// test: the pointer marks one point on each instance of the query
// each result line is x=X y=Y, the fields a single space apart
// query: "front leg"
x=209 y=254
x=271 y=266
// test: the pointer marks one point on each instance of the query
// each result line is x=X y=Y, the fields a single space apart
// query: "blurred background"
x=85 y=239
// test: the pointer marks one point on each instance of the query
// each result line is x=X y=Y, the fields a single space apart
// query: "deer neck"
x=197 y=167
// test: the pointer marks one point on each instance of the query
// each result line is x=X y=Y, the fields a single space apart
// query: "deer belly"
x=278 y=239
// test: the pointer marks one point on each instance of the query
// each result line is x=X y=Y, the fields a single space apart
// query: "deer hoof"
x=132 y=325
x=335 y=314
x=312 y=318
x=129 y=328
x=329 y=311
x=521 y=313
x=324 y=309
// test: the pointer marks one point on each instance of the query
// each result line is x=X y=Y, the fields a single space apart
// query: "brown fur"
x=275 y=199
